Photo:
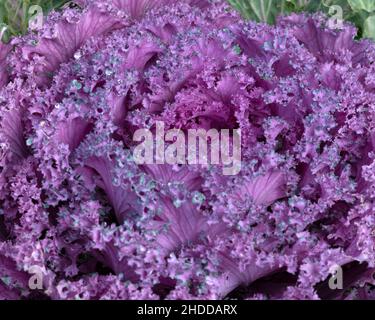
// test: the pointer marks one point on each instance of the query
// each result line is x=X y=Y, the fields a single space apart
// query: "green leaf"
x=369 y=28
x=266 y=10
x=366 y=5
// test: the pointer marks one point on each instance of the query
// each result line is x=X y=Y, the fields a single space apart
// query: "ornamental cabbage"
x=75 y=205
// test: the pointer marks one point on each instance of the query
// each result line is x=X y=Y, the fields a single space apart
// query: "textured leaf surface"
x=369 y=28
x=366 y=5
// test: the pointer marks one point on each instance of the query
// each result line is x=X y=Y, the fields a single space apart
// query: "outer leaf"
x=261 y=10
x=269 y=10
x=369 y=28
x=264 y=9
x=366 y=5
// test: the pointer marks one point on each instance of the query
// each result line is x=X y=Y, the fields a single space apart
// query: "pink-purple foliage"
x=74 y=203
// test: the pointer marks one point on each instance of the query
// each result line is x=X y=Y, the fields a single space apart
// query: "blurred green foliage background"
x=359 y=12
x=15 y=16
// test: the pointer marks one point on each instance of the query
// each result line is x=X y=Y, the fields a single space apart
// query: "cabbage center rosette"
x=75 y=205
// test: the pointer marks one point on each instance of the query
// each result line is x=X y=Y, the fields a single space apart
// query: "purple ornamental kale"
x=4 y=50
x=74 y=204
